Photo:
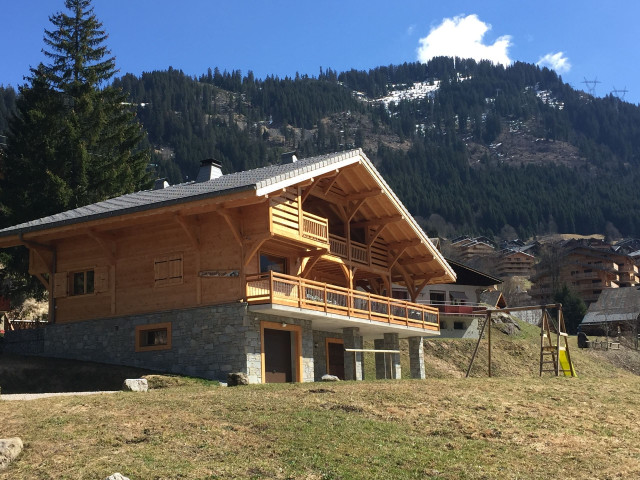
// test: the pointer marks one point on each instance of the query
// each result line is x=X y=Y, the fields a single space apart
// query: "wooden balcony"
x=286 y=290
x=358 y=253
x=289 y=220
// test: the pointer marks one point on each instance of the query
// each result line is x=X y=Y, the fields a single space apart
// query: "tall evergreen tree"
x=72 y=131
x=74 y=139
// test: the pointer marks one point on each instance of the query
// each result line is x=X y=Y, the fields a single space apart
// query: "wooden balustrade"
x=315 y=227
x=280 y=289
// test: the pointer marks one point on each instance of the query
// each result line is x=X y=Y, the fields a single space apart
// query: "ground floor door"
x=335 y=359
x=277 y=356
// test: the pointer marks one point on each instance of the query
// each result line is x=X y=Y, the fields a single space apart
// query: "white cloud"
x=411 y=29
x=555 y=61
x=462 y=37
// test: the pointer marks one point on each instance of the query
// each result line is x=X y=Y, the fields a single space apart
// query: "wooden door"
x=277 y=356
x=336 y=359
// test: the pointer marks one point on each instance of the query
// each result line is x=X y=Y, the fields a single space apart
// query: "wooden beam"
x=405 y=244
x=353 y=209
x=251 y=248
x=396 y=257
x=378 y=221
x=232 y=224
x=191 y=228
x=412 y=261
x=312 y=262
x=367 y=194
x=43 y=280
x=374 y=236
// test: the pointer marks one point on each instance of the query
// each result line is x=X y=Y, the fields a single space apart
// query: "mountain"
x=469 y=147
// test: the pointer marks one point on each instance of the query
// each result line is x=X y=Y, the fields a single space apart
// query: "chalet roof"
x=257 y=179
x=468 y=276
x=614 y=305
x=493 y=298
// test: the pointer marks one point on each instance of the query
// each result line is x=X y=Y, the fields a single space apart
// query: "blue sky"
x=586 y=39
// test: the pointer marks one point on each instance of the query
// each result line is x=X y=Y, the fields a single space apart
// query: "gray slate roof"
x=614 y=305
x=182 y=193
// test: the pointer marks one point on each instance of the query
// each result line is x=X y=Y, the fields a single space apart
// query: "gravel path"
x=35 y=396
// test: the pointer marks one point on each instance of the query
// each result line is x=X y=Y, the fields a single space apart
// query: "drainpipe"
x=54 y=261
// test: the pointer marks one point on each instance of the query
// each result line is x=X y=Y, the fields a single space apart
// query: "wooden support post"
x=475 y=351
x=489 y=338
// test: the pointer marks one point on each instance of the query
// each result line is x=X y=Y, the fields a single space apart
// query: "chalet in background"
x=457 y=302
x=587 y=270
x=272 y=272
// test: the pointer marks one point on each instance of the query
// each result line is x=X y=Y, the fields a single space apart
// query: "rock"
x=330 y=378
x=237 y=378
x=117 y=476
x=10 y=448
x=136 y=385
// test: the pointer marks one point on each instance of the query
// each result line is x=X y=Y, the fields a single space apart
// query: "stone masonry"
x=416 y=358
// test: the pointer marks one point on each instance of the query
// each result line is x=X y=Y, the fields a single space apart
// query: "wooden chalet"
x=273 y=272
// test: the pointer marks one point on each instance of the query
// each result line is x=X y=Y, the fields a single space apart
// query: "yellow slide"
x=566 y=365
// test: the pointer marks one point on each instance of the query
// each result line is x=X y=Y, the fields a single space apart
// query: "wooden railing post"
x=271 y=286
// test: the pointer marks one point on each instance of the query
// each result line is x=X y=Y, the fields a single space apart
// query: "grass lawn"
x=516 y=425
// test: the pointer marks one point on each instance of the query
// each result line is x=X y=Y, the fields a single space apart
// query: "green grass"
x=516 y=425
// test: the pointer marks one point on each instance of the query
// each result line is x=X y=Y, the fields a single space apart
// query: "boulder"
x=10 y=448
x=117 y=476
x=136 y=385
x=330 y=378
x=237 y=378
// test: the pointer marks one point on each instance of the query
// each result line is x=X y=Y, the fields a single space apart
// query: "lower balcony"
x=331 y=307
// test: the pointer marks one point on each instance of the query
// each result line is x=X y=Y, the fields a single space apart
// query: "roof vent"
x=288 y=157
x=160 y=183
x=209 y=169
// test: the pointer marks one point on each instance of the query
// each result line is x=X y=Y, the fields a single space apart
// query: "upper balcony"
x=286 y=218
x=332 y=307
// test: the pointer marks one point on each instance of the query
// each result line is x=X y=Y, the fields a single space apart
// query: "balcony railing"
x=276 y=288
x=356 y=252
x=315 y=227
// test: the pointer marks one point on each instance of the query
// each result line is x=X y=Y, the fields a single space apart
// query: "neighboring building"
x=272 y=272
x=587 y=271
x=616 y=310
x=470 y=248
x=458 y=302
x=514 y=263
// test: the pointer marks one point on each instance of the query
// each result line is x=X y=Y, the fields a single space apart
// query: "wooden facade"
x=331 y=237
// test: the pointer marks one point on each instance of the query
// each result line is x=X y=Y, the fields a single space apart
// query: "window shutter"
x=60 y=285
x=101 y=279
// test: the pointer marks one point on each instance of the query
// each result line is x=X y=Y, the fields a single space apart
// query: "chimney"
x=160 y=183
x=209 y=169
x=288 y=157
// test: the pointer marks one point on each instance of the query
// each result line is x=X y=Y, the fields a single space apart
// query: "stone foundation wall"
x=207 y=342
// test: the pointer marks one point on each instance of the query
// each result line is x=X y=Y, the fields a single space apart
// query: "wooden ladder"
x=554 y=358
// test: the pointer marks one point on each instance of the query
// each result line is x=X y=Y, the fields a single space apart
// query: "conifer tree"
x=73 y=132
x=74 y=139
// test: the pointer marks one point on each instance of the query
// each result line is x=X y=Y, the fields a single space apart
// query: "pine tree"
x=91 y=136
x=73 y=140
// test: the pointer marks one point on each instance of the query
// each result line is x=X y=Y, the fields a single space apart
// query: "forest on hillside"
x=421 y=146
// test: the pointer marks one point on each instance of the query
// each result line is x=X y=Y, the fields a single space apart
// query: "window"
x=81 y=282
x=271 y=263
x=437 y=298
x=400 y=294
x=153 y=337
x=458 y=325
x=168 y=270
